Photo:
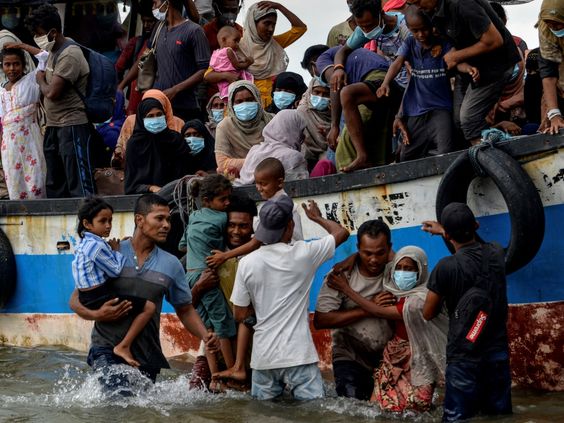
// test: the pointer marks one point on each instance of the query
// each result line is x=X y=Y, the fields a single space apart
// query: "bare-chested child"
x=269 y=182
x=229 y=58
x=96 y=262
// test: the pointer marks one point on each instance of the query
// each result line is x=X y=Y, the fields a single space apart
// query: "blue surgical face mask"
x=405 y=280
x=322 y=82
x=283 y=100
x=246 y=111
x=196 y=144
x=217 y=115
x=375 y=33
x=559 y=33
x=319 y=103
x=155 y=124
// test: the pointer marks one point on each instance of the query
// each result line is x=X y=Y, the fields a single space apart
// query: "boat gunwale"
x=389 y=174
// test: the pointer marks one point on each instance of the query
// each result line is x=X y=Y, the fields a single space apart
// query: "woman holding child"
x=414 y=359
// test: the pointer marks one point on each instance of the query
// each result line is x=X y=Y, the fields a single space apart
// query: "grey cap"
x=273 y=219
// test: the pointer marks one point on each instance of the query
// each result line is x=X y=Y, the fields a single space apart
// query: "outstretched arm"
x=314 y=214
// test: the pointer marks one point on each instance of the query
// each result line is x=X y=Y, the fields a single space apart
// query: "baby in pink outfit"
x=229 y=58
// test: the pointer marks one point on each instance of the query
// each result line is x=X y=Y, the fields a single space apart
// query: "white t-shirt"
x=276 y=280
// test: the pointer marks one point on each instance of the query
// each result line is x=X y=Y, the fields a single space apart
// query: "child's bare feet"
x=125 y=353
x=233 y=373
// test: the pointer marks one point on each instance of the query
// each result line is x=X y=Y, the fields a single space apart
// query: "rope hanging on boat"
x=182 y=198
x=490 y=137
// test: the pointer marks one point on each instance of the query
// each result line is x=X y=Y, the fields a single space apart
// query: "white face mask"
x=160 y=16
x=43 y=42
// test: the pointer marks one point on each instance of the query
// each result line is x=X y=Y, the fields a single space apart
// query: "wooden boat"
x=42 y=235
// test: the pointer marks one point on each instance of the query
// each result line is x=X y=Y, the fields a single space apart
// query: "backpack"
x=101 y=86
x=473 y=311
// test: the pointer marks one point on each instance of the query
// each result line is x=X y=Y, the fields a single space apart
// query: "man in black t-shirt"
x=478 y=377
x=482 y=40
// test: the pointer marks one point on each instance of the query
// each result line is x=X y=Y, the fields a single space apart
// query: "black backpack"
x=101 y=86
x=474 y=309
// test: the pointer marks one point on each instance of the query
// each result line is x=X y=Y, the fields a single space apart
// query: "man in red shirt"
x=226 y=12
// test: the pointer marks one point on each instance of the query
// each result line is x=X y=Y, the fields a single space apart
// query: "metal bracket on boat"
x=63 y=246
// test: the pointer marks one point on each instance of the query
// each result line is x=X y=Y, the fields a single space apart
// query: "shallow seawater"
x=55 y=385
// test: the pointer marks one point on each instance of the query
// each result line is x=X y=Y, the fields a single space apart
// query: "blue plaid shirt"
x=95 y=262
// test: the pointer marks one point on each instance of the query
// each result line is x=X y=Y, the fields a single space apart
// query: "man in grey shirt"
x=183 y=55
x=358 y=337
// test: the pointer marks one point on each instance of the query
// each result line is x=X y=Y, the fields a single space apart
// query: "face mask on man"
x=319 y=103
x=559 y=33
x=405 y=280
x=246 y=111
x=43 y=42
x=283 y=99
x=375 y=33
x=196 y=144
x=217 y=115
x=160 y=16
x=155 y=125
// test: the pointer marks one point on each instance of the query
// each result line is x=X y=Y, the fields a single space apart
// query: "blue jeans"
x=472 y=388
x=112 y=381
x=304 y=382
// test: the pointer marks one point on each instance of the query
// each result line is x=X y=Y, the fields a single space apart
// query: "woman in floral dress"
x=22 y=143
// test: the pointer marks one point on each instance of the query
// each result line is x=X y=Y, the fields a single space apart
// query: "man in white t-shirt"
x=276 y=280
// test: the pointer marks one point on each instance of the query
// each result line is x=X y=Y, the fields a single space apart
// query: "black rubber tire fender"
x=8 y=273
x=523 y=202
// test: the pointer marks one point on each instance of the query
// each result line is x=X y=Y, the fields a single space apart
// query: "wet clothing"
x=352 y=380
x=160 y=276
x=304 y=382
x=206 y=232
x=430 y=134
x=282 y=337
x=361 y=342
x=478 y=379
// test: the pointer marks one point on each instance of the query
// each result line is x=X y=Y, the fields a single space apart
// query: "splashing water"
x=55 y=385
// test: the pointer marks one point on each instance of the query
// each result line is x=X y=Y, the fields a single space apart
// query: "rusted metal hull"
x=403 y=195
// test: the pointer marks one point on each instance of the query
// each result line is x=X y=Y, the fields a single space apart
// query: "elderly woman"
x=414 y=359
x=267 y=49
x=174 y=123
x=551 y=62
x=241 y=128
x=156 y=155
x=201 y=145
x=283 y=138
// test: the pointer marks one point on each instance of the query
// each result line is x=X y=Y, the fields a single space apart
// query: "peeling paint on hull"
x=38 y=314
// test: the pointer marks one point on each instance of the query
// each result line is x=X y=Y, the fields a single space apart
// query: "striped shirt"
x=95 y=262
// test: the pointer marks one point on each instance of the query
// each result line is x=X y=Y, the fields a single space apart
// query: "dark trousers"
x=114 y=381
x=472 y=388
x=67 y=152
x=429 y=134
x=472 y=103
x=353 y=380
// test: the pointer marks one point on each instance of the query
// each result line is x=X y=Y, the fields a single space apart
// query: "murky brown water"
x=55 y=385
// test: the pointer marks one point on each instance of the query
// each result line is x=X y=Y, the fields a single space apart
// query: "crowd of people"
x=403 y=81
x=396 y=81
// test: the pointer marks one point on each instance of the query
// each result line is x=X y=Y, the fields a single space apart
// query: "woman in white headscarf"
x=267 y=49
x=283 y=138
x=241 y=128
x=414 y=359
x=315 y=106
